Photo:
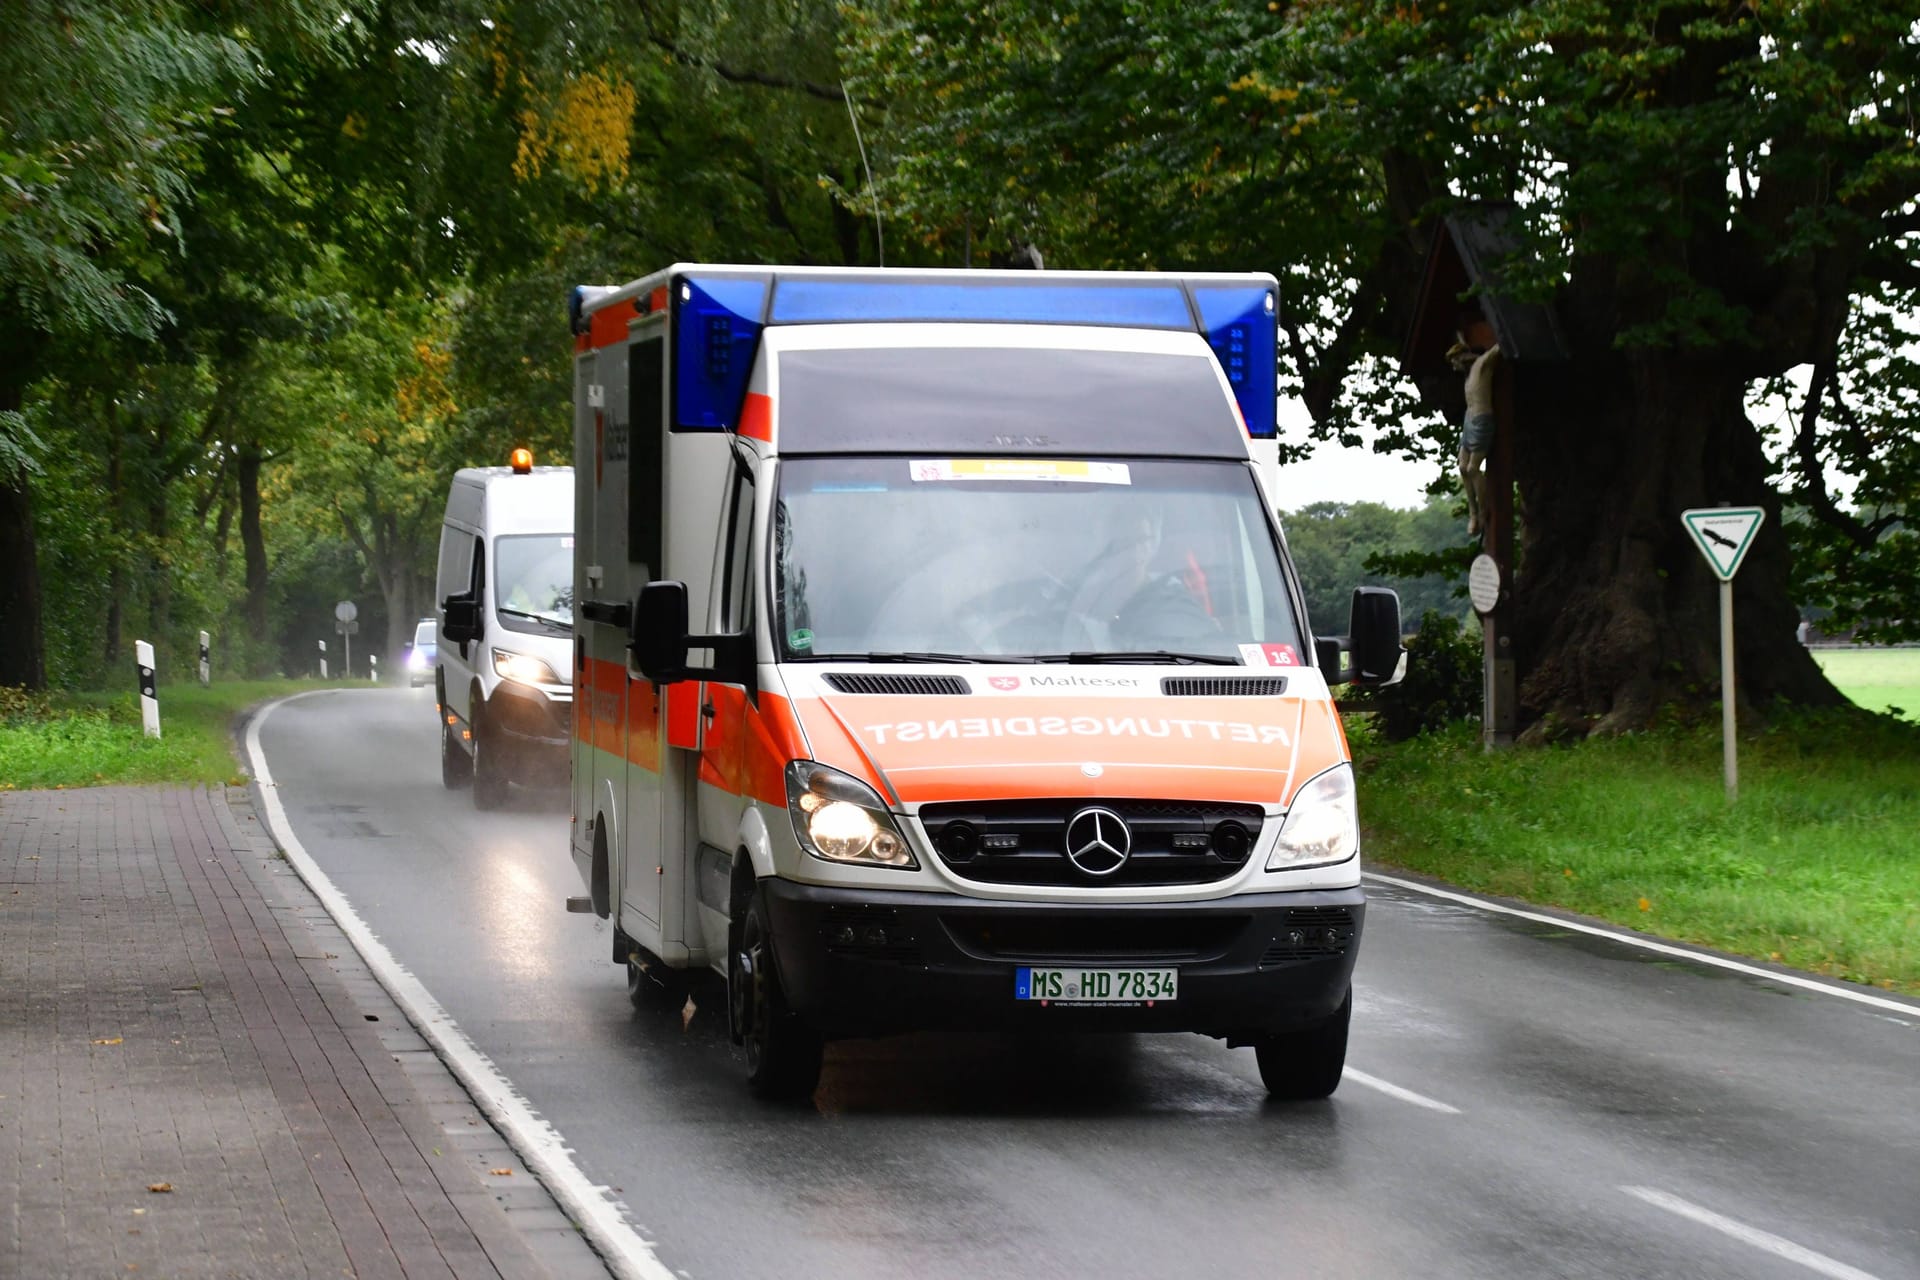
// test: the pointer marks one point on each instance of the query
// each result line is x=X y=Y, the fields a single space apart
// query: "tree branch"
x=761 y=79
x=1813 y=471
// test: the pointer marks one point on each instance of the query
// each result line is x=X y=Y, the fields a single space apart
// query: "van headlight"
x=1322 y=825
x=522 y=667
x=839 y=818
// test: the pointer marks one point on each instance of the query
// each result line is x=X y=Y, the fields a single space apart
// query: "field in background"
x=1876 y=679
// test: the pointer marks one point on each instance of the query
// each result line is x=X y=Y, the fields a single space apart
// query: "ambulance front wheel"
x=1306 y=1064
x=456 y=766
x=783 y=1052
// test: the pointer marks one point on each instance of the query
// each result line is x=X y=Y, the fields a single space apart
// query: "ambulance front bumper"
x=865 y=963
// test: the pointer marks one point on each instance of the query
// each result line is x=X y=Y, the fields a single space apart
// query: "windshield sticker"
x=800 y=640
x=1073 y=470
x=1269 y=655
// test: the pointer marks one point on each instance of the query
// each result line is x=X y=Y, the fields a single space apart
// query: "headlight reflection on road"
x=517 y=913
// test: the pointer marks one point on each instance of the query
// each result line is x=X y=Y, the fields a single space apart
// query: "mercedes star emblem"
x=1098 y=841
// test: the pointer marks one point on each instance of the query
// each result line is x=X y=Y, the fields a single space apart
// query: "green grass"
x=1877 y=679
x=92 y=740
x=1817 y=865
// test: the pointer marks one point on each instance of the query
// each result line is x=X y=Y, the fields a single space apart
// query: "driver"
x=1129 y=600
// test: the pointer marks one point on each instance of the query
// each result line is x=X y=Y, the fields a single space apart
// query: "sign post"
x=1723 y=535
x=344 y=614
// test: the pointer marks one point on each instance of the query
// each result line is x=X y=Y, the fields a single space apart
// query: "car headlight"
x=1322 y=825
x=839 y=818
x=522 y=667
x=416 y=661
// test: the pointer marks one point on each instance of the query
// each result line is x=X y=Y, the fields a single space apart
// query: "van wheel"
x=783 y=1053
x=489 y=770
x=655 y=986
x=456 y=766
x=1303 y=1065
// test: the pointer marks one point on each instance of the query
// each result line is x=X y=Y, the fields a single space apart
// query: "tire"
x=489 y=770
x=456 y=766
x=1299 y=1066
x=656 y=986
x=783 y=1053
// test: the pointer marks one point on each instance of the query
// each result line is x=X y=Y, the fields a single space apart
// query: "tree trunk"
x=22 y=656
x=254 y=545
x=116 y=569
x=1617 y=612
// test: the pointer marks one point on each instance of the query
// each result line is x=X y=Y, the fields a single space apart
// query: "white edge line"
x=1766 y=1240
x=1648 y=944
x=1395 y=1091
x=537 y=1142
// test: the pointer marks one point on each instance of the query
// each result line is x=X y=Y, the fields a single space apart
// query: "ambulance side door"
x=637 y=871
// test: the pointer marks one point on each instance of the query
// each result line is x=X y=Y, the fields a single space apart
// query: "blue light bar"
x=716 y=326
x=1159 y=305
x=1240 y=326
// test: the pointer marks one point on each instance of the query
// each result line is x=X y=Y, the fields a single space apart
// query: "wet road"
x=1521 y=1100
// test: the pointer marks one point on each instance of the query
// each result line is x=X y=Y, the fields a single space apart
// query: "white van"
x=942 y=665
x=505 y=587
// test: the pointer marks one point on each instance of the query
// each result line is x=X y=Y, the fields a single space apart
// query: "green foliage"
x=1443 y=684
x=1339 y=546
x=1813 y=867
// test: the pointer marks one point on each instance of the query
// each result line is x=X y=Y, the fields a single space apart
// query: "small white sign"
x=1723 y=535
x=346 y=611
x=1483 y=584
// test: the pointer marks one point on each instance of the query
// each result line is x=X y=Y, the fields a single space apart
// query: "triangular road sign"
x=1723 y=535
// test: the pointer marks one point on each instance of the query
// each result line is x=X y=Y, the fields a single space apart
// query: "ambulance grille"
x=1023 y=842
x=1223 y=686
x=1310 y=933
x=865 y=682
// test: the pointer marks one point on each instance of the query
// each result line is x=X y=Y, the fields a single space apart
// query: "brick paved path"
x=167 y=1018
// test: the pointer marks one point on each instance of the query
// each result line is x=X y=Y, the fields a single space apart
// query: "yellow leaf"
x=159 y=1187
x=108 y=1040
x=501 y=1173
x=1646 y=905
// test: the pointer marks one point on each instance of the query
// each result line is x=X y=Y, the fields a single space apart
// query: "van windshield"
x=1026 y=559
x=533 y=580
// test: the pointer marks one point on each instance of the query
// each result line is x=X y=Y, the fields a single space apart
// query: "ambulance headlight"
x=839 y=818
x=522 y=667
x=1322 y=826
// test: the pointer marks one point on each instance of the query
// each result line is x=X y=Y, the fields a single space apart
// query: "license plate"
x=1096 y=986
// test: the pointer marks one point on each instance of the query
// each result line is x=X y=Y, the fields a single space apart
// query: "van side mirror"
x=406 y=646
x=1370 y=654
x=460 y=619
x=658 y=632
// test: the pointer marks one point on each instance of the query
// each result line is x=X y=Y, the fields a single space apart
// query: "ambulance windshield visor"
x=1025 y=557
x=533 y=581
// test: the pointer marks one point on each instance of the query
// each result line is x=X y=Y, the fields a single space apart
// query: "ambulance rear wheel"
x=783 y=1053
x=1302 y=1065
x=456 y=766
x=489 y=769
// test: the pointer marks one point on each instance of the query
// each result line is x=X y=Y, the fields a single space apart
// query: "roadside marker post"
x=323 y=659
x=206 y=659
x=1723 y=535
x=149 y=693
x=373 y=667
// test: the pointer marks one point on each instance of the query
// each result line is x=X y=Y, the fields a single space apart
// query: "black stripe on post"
x=146 y=682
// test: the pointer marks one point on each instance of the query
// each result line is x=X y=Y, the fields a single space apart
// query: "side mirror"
x=1373 y=635
x=460 y=619
x=406 y=646
x=658 y=636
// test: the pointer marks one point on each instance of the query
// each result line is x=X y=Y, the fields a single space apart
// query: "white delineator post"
x=1723 y=535
x=206 y=659
x=149 y=693
x=323 y=659
x=373 y=667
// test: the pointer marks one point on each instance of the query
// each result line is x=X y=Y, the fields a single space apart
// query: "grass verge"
x=94 y=740
x=1815 y=866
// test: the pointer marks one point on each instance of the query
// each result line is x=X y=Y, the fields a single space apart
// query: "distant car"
x=423 y=651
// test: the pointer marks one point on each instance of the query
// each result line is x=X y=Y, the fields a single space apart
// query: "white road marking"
x=1766 y=1240
x=627 y=1255
x=1910 y=1011
x=1395 y=1091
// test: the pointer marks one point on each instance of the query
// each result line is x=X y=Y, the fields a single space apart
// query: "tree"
x=1706 y=192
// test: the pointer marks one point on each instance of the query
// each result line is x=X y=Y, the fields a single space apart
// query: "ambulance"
x=939 y=663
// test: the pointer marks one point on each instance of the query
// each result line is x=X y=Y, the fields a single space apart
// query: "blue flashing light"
x=716 y=321
x=1241 y=328
x=1159 y=305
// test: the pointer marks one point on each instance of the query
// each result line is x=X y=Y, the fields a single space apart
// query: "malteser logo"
x=1004 y=682
x=1084 y=682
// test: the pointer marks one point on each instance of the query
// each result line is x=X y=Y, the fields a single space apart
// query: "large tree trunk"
x=1617 y=613
x=254 y=544
x=22 y=649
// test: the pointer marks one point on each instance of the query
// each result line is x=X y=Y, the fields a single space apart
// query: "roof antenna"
x=879 y=232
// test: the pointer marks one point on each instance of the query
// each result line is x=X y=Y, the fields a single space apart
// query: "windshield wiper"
x=1142 y=656
x=543 y=619
x=904 y=656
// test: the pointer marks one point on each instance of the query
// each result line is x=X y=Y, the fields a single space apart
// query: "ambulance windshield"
x=1027 y=559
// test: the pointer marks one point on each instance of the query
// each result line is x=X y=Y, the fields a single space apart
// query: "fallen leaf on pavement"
x=158 y=1187
x=686 y=1013
x=108 y=1040
x=501 y=1173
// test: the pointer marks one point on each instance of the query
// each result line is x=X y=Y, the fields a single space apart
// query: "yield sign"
x=1723 y=535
